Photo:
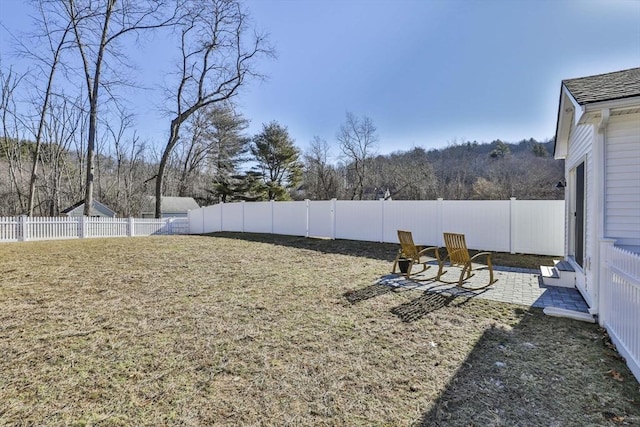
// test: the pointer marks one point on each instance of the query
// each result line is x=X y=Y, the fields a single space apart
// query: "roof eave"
x=569 y=113
x=613 y=104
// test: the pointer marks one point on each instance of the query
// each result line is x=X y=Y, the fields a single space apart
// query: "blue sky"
x=428 y=73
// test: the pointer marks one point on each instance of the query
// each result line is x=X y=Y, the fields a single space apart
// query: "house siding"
x=622 y=182
x=580 y=150
x=608 y=141
x=580 y=145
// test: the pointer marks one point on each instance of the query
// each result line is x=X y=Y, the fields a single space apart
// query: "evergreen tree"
x=278 y=160
x=229 y=148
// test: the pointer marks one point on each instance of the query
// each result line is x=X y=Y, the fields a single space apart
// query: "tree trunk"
x=173 y=139
x=93 y=114
x=43 y=114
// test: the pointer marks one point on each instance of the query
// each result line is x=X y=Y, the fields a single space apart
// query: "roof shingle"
x=171 y=204
x=605 y=87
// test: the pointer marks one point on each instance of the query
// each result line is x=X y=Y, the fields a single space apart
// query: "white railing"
x=14 y=229
x=516 y=226
x=620 y=302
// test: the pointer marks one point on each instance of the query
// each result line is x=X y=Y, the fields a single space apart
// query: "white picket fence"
x=516 y=226
x=620 y=302
x=23 y=228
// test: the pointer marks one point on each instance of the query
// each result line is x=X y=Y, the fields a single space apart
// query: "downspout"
x=599 y=164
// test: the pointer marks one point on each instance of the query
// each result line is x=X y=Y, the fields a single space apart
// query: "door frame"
x=577 y=245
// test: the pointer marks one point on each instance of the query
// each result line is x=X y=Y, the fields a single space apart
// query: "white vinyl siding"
x=580 y=146
x=581 y=150
x=622 y=185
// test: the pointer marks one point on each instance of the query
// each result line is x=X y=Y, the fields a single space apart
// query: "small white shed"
x=97 y=210
x=171 y=207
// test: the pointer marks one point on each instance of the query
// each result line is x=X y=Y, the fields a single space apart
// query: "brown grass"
x=270 y=330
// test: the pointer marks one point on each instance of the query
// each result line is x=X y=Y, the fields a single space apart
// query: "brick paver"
x=514 y=285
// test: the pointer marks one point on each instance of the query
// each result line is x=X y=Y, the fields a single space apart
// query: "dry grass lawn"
x=235 y=329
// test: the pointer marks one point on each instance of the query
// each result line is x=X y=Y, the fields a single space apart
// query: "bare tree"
x=357 y=138
x=217 y=56
x=111 y=160
x=97 y=27
x=193 y=153
x=457 y=167
x=59 y=169
x=524 y=176
x=55 y=47
x=406 y=175
x=213 y=152
x=133 y=166
x=12 y=146
x=321 y=177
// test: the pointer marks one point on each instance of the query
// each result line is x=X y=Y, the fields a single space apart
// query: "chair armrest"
x=431 y=248
x=487 y=254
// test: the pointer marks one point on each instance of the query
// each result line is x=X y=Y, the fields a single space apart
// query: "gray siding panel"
x=580 y=146
x=580 y=150
x=622 y=185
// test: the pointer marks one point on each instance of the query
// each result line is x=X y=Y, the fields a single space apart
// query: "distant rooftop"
x=172 y=204
x=605 y=87
x=97 y=209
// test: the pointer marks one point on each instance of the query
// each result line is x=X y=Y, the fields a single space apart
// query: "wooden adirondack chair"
x=458 y=256
x=413 y=255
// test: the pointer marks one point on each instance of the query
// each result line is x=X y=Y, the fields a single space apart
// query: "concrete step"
x=570 y=314
x=549 y=272
x=562 y=265
x=554 y=276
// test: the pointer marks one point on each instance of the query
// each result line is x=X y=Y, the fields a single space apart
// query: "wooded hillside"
x=469 y=170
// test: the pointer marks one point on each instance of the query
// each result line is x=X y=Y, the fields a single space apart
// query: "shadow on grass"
x=373 y=250
x=541 y=372
x=428 y=301
x=386 y=284
x=525 y=370
x=432 y=299
x=366 y=293
x=418 y=308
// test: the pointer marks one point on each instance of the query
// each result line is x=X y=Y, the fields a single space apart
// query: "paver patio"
x=515 y=285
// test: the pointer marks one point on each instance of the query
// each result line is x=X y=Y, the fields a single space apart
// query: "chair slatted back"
x=456 y=248
x=409 y=248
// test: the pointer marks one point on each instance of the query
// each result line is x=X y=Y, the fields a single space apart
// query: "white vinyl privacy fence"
x=23 y=228
x=516 y=226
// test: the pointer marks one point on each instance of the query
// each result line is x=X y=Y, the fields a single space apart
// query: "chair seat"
x=458 y=256
x=411 y=255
